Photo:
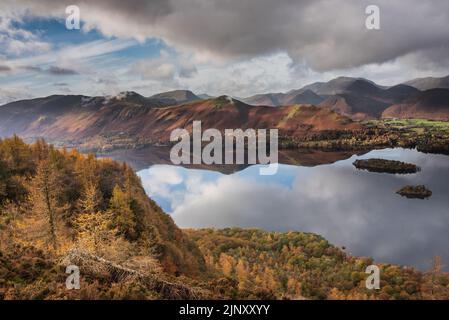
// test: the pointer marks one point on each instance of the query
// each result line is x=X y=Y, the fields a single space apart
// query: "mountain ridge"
x=129 y=114
x=97 y=119
x=429 y=83
x=357 y=98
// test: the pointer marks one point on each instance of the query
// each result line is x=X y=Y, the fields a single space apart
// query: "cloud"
x=168 y=66
x=15 y=40
x=243 y=78
x=4 y=68
x=154 y=70
x=158 y=179
x=13 y=93
x=52 y=70
x=88 y=57
x=16 y=47
x=325 y=34
x=57 y=71
x=232 y=47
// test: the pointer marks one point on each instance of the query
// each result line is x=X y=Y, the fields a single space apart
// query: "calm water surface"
x=351 y=208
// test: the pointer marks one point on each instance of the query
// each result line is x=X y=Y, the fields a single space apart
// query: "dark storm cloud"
x=4 y=69
x=52 y=70
x=57 y=71
x=32 y=68
x=323 y=33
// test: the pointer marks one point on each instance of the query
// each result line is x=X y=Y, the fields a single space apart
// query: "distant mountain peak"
x=177 y=96
x=429 y=83
x=205 y=96
x=127 y=94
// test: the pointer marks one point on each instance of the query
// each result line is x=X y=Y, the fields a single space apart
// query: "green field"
x=409 y=123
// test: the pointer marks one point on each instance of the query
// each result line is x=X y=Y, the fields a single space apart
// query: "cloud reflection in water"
x=351 y=208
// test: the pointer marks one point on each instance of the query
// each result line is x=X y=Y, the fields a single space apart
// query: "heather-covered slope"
x=79 y=119
x=69 y=115
x=431 y=104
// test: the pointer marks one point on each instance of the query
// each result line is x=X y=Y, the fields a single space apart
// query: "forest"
x=60 y=207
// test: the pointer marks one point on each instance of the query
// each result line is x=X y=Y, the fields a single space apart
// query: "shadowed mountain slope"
x=78 y=118
x=429 y=83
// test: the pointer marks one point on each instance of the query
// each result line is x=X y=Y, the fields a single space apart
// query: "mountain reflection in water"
x=317 y=193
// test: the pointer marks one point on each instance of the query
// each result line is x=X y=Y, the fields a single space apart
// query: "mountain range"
x=80 y=118
x=362 y=99
x=429 y=83
x=333 y=105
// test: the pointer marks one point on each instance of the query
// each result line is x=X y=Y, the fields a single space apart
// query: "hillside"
x=225 y=112
x=96 y=121
x=176 y=96
x=79 y=190
x=431 y=104
x=64 y=115
x=60 y=208
x=130 y=120
x=341 y=85
x=429 y=83
x=284 y=99
x=315 y=93
x=361 y=99
x=298 y=265
x=357 y=98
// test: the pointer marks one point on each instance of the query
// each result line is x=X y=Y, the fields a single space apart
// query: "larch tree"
x=45 y=192
x=3 y=180
x=92 y=223
x=120 y=208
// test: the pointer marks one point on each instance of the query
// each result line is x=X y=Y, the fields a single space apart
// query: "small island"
x=415 y=192
x=386 y=166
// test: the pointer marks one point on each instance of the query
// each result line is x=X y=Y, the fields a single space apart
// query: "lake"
x=355 y=209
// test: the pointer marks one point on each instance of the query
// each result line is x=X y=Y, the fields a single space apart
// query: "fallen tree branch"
x=100 y=267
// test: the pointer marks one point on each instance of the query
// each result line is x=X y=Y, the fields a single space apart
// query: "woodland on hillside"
x=298 y=265
x=59 y=207
x=53 y=201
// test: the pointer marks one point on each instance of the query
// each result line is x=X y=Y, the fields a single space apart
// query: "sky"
x=233 y=47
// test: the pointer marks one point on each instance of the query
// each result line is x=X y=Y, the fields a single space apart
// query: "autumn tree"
x=17 y=155
x=87 y=170
x=3 y=180
x=93 y=224
x=91 y=198
x=94 y=230
x=435 y=276
x=45 y=192
x=243 y=275
x=124 y=220
x=40 y=150
x=226 y=264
